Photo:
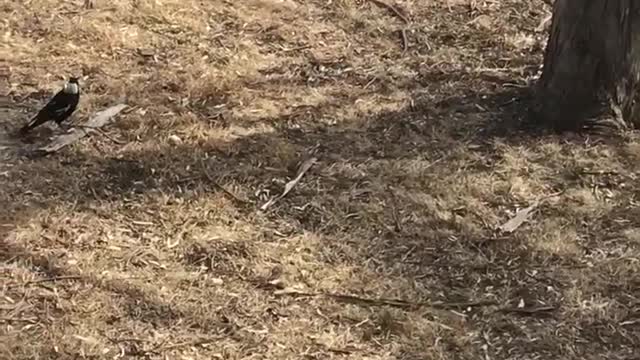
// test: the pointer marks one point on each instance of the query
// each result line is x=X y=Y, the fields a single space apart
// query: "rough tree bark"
x=591 y=64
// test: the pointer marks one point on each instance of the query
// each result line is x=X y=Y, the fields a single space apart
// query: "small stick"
x=214 y=182
x=392 y=8
x=396 y=12
x=57 y=278
x=405 y=41
x=99 y=131
x=10 y=319
x=394 y=210
x=387 y=302
x=187 y=343
x=297 y=48
x=528 y=311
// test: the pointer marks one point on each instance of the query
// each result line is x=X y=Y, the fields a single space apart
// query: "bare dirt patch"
x=387 y=248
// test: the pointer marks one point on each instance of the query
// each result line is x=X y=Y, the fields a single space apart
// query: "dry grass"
x=132 y=251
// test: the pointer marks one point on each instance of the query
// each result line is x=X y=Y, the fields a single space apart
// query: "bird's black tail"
x=30 y=125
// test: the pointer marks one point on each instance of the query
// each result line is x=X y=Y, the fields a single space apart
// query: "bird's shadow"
x=13 y=142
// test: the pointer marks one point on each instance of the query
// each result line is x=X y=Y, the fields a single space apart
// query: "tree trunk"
x=592 y=63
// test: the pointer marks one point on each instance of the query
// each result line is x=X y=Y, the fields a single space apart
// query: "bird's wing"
x=61 y=110
x=58 y=104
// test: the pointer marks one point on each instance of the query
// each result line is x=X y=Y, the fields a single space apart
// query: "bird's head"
x=72 y=86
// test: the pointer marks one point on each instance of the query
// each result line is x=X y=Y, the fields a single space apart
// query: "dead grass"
x=131 y=251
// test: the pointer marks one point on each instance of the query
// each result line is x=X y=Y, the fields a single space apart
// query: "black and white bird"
x=59 y=108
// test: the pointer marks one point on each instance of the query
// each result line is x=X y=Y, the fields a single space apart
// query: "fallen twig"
x=51 y=279
x=196 y=342
x=394 y=211
x=122 y=340
x=448 y=155
x=219 y=186
x=599 y=172
x=101 y=132
x=291 y=184
x=157 y=349
x=11 y=319
x=100 y=119
x=405 y=41
x=385 y=302
x=297 y=48
x=529 y=310
x=392 y=8
x=341 y=351
x=399 y=14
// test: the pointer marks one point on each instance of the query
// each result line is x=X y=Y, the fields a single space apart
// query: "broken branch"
x=100 y=119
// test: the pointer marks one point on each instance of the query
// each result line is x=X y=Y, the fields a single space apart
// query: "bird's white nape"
x=71 y=88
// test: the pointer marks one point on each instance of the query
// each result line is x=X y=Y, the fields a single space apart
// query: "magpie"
x=59 y=108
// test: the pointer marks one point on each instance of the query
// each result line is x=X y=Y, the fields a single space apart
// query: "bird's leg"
x=63 y=127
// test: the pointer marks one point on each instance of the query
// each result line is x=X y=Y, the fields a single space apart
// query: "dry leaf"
x=291 y=184
x=521 y=216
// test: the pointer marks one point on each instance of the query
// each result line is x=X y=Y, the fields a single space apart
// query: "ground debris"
x=523 y=215
x=304 y=167
x=399 y=14
x=352 y=299
x=100 y=119
x=168 y=258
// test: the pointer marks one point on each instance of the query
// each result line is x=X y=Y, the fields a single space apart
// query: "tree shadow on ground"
x=407 y=203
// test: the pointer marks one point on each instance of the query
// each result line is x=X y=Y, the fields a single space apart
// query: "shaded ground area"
x=127 y=246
